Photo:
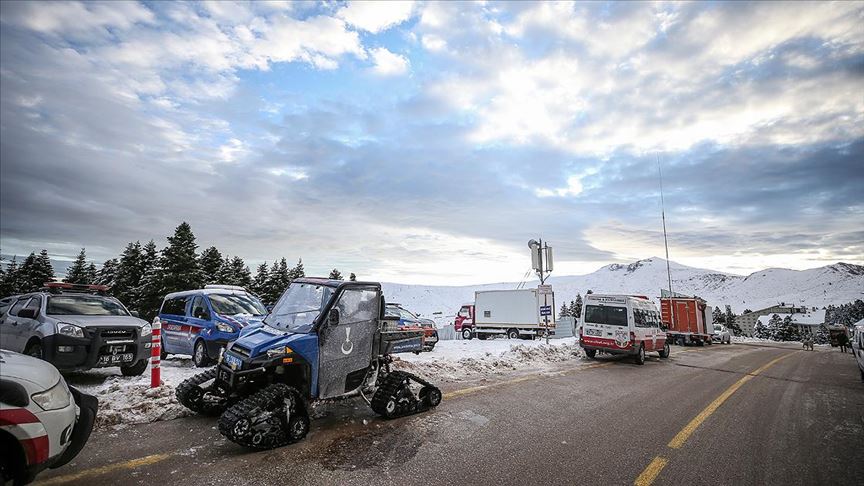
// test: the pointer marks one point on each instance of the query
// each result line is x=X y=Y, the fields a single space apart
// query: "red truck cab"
x=464 y=322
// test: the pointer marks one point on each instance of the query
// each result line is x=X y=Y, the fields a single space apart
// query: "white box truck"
x=515 y=313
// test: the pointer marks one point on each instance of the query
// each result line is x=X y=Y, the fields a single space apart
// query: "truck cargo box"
x=686 y=316
x=512 y=308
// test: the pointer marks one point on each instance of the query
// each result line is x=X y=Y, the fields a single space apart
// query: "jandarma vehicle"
x=76 y=327
x=43 y=422
x=408 y=320
x=202 y=322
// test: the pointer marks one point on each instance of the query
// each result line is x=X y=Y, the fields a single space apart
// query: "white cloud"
x=388 y=63
x=78 y=18
x=376 y=16
x=573 y=188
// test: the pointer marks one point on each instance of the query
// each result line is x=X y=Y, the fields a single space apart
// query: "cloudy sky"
x=427 y=142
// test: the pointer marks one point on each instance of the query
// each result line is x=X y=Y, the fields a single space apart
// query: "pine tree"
x=774 y=330
x=717 y=316
x=352 y=277
x=34 y=272
x=225 y=275
x=564 y=312
x=148 y=295
x=90 y=273
x=760 y=331
x=106 y=274
x=11 y=282
x=335 y=274
x=77 y=272
x=277 y=281
x=235 y=272
x=730 y=321
x=211 y=263
x=576 y=310
x=128 y=273
x=297 y=271
x=180 y=262
x=4 y=284
x=259 y=283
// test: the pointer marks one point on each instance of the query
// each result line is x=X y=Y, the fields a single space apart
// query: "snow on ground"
x=130 y=400
x=455 y=360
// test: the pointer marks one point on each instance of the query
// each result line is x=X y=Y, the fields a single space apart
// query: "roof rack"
x=57 y=287
x=225 y=287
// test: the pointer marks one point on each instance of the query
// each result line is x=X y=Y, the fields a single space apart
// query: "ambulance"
x=622 y=324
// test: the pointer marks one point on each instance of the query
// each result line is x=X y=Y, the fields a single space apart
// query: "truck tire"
x=467 y=334
x=512 y=334
x=640 y=356
x=591 y=353
x=135 y=369
x=199 y=355
x=664 y=353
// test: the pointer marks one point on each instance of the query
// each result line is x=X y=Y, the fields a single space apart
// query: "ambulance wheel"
x=134 y=370
x=664 y=353
x=467 y=334
x=513 y=334
x=591 y=353
x=199 y=355
x=640 y=356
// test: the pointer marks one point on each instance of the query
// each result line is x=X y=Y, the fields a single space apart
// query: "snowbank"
x=130 y=400
x=455 y=360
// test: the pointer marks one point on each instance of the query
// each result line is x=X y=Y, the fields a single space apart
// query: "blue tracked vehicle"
x=324 y=339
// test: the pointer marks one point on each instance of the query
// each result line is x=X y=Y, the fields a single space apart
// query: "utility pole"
x=666 y=245
x=541 y=262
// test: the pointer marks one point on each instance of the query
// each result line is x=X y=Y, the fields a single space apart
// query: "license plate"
x=116 y=349
x=593 y=332
x=115 y=358
x=232 y=361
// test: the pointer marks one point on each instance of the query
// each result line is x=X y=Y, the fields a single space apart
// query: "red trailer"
x=688 y=319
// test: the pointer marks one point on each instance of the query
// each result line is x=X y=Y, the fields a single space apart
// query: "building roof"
x=814 y=318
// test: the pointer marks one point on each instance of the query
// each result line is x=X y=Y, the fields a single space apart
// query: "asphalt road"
x=715 y=415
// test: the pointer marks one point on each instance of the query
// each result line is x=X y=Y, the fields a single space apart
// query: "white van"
x=621 y=324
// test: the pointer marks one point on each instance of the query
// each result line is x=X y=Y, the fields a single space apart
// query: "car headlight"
x=279 y=351
x=54 y=398
x=146 y=329
x=224 y=327
x=70 y=330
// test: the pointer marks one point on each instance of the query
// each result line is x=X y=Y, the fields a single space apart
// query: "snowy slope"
x=833 y=284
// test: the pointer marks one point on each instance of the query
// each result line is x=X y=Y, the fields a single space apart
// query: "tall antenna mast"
x=665 y=240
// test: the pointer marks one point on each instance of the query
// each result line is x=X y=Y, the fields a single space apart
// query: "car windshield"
x=84 y=305
x=298 y=307
x=603 y=314
x=233 y=304
x=392 y=311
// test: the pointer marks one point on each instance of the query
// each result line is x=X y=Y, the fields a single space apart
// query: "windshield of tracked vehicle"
x=298 y=307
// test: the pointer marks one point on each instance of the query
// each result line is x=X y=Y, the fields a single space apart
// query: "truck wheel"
x=467 y=334
x=591 y=353
x=664 y=353
x=640 y=356
x=135 y=369
x=513 y=334
x=199 y=355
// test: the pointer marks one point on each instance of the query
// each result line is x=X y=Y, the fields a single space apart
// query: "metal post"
x=156 y=354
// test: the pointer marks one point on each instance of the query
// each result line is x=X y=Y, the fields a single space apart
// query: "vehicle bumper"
x=606 y=346
x=70 y=353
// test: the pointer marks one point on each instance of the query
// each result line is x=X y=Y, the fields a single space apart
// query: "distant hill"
x=833 y=284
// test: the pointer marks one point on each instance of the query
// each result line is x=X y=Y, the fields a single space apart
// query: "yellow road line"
x=650 y=473
x=685 y=433
x=134 y=463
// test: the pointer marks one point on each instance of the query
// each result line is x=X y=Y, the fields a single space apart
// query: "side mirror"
x=27 y=313
x=134 y=314
x=333 y=317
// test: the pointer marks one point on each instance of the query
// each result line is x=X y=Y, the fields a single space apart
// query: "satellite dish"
x=533 y=244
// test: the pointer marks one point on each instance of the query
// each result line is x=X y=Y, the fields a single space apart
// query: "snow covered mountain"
x=833 y=284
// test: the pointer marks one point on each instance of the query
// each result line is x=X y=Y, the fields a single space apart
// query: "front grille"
x=117 y=333
x=240 y=350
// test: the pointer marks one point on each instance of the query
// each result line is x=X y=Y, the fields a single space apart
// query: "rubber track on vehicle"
x=252 y=407
x=390 y=388
x=190 y=387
